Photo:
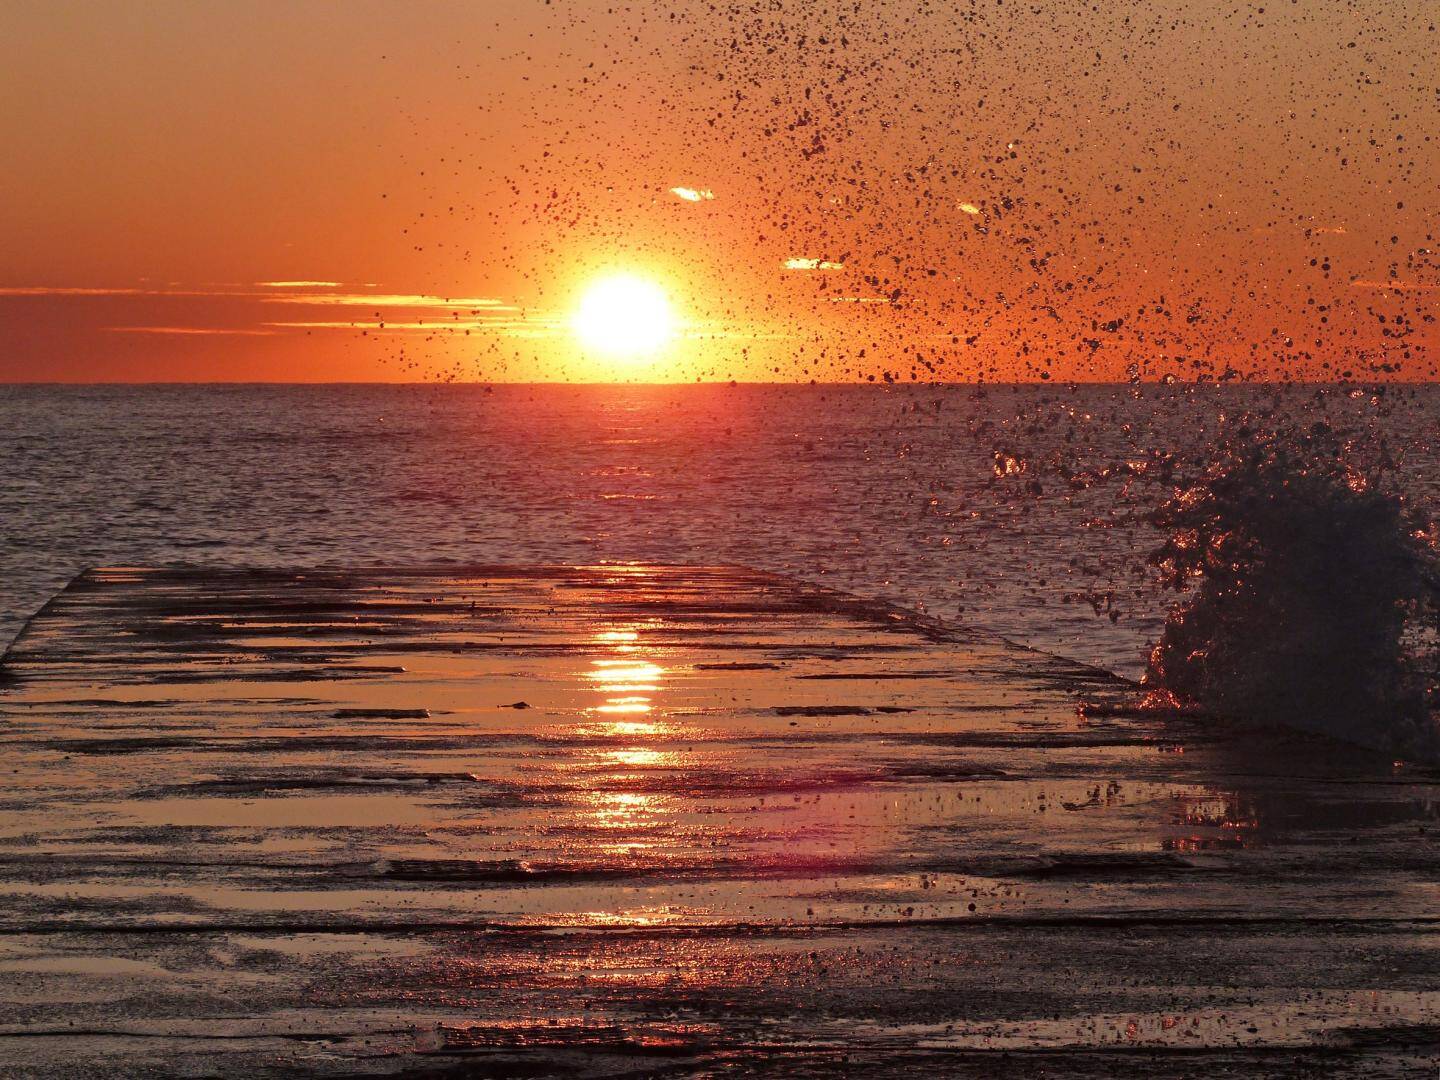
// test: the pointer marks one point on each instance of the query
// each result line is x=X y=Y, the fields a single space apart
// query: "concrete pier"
x=614 y=820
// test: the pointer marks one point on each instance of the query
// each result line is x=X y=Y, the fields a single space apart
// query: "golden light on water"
x=627 y=680
x=624 y=317
x=625 y=677
x=625 y=705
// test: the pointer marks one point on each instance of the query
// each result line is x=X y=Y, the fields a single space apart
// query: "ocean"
x=1017 y=509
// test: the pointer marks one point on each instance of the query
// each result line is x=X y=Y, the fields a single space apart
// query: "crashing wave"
x=1311 y=596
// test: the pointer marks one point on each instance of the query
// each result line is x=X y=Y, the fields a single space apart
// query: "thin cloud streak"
x=197 y=331
x=502 y=326
x=75 y=290
x=300 y=284
x=408 y=300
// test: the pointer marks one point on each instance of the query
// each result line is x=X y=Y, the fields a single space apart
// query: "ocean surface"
x=1016 y=509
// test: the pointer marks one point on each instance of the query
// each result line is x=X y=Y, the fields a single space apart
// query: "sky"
x=888 y=191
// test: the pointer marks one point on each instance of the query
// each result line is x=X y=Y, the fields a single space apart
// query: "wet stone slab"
x=668 y=820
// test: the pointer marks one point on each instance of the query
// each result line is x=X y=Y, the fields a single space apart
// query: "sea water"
x=1023 y=510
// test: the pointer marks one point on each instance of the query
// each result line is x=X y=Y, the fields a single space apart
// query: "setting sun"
x=624 y=316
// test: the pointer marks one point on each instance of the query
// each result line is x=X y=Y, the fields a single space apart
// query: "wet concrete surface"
x=649 y=820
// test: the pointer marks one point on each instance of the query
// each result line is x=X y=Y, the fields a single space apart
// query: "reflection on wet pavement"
x=585 y=816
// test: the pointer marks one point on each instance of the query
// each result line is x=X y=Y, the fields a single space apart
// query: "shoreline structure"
x=610 y=818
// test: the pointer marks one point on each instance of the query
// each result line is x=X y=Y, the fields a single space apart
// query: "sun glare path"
x=624 y=317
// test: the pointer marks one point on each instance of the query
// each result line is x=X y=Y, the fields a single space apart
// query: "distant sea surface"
x=889 y=492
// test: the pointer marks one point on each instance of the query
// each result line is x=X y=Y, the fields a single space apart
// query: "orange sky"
x=1071 y=190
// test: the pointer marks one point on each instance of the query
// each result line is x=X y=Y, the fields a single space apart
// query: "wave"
x=1310 y=593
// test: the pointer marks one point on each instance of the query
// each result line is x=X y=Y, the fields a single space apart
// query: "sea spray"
x=1310 y=595
x=1289 y=580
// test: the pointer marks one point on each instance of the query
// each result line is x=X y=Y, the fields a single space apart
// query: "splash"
x=1310 y=594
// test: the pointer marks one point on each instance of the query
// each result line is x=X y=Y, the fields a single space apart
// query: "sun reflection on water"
x=625 y=705
x=617 y=636
x=626 y=679
x=639 y=758
x=631 y=727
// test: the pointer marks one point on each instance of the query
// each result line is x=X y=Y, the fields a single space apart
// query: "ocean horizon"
x=894 y=492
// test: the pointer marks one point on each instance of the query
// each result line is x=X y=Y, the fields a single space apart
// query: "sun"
x=624 y=316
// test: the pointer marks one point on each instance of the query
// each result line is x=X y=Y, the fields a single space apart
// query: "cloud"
x=200 y=331
x=693 y=194
x=412 y=300
x=264 y=293
x=300 y=284
x=525 y=327
x=813 y=264
x=70 y=290
x=230 y=310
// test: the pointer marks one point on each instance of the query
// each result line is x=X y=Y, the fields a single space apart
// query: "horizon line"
x=876 y=384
